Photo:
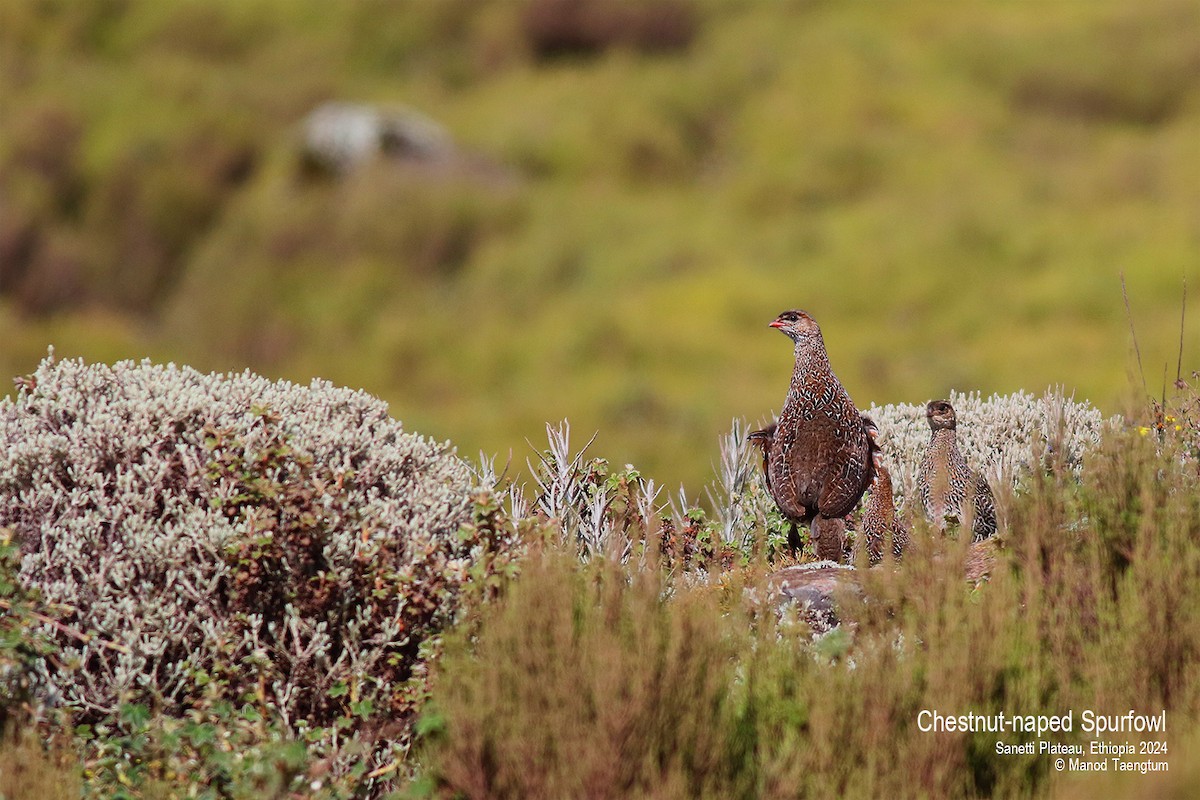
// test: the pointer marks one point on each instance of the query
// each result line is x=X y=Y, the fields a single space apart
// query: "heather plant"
x=290 y=553
x=603 y=680
x=588 y=682
x=637 y=625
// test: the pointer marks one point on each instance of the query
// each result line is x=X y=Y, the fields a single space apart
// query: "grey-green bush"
x=292 y=546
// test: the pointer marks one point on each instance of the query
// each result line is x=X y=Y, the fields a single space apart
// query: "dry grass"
x=29 y=770
x=601 y=681
x=587 y=669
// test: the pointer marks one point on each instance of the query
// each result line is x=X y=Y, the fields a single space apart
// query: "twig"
x=68 y=630
x=504 y=472
x=1163 y=403
x=384 y=770
x=1136 y=349
x=1182 y=316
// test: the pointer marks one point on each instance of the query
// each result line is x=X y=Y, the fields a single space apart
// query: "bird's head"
x=798 y=325
x=940 y=415
x=881 y=484
x=763 y=438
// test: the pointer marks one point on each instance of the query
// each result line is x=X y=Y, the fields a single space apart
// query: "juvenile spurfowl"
x=821 y=456
x=879 y=521
x=762 y=439
x=948 y=488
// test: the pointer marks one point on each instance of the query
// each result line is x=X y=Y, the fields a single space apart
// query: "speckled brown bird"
x=821 y=456
x=946 y=485
x=880 y=523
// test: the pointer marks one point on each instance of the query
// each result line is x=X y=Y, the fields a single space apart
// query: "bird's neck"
x=881 y=495
x=811 y=360
x=943 y=441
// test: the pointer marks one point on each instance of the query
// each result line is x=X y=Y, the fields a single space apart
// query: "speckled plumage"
x=830 y=535
x=948 y=487
x=821 y=456
x=880 y=524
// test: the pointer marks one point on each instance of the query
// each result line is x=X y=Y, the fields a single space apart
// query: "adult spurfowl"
x=821 y=456
x=951 y=491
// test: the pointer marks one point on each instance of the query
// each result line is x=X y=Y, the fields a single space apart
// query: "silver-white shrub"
x=1003 y=436
x=106 y=474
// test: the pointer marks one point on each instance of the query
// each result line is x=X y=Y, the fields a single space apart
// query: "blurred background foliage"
x=952 y=189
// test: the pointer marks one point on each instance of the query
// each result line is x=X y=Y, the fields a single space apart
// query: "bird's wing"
x=851 y=465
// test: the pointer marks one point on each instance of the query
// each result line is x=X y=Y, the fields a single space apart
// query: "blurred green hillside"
x=951 y=189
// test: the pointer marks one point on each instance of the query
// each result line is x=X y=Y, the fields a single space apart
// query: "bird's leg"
x=875 y=547
x=793 y=540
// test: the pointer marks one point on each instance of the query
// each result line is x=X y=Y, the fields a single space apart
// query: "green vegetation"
x=952 y=189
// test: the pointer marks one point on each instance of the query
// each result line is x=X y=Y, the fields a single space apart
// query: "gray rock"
x=812 y=588
x=341 y=136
